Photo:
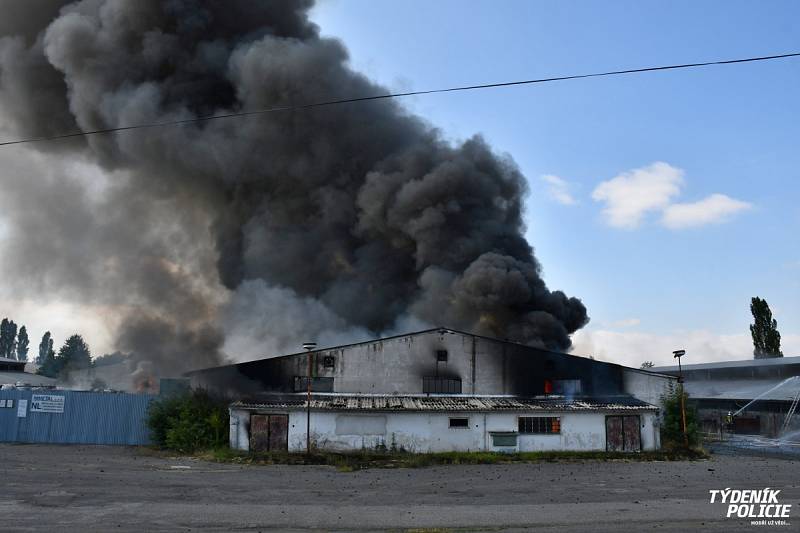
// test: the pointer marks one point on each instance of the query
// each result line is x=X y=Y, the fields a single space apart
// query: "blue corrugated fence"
x=73 y=417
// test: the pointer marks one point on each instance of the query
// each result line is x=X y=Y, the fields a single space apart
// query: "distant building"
x=13 y=374
x=721 y=389
x=440 y=390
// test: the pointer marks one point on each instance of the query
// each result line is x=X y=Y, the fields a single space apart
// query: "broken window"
x=317 y=384
x=329 y=361
x=459 y=423
x=437 y=385
x=441 y=356
x=567 y=387
x=539 y=424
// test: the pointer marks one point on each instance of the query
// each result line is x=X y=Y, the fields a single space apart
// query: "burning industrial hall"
x=438 y=390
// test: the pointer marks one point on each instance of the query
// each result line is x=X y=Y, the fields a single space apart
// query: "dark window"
x=504 y=439
x=567 y=387
x=539 y=424
x=459 y=423
x=441 y=356
x=329 y=361
x=436 y=385
x=317 y=384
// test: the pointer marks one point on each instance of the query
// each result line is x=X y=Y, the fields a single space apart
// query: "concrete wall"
x=647 y=386
x=430 y=432
x=398 y=365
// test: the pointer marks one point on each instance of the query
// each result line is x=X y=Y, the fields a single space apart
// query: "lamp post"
x=677 y=354
x=308 y=346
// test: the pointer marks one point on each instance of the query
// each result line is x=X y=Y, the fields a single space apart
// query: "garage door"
x=269 y=433
x=623 y=433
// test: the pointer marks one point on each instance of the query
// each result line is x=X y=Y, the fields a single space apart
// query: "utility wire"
x=394 y=95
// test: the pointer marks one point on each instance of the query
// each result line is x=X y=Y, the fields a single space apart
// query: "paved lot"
x=97 y=488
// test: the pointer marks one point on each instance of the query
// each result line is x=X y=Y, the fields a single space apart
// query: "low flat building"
x=439 y=390
x=13 y=374
x=763 y=389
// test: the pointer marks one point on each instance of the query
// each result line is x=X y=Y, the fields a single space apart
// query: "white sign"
x=47 y=403
x=22 y=408
x=2 y=403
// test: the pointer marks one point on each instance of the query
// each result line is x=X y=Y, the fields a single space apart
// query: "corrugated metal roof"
x=741 y=389
x=25 y=378
x=442 y=403
x=744 y=363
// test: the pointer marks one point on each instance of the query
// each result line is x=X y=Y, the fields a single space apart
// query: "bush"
x=671 y=427
x=188 y=422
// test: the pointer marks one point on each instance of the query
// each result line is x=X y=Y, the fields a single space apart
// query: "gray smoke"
x=339 y=222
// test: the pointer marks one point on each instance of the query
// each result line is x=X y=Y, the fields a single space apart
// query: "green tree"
x=51 y=364
x=4 y=339
x=45 y=349
x=189 y=422
x=8 y=335
x=22 y=344
x=764 y=330
x=672 y=426
x=74 y=355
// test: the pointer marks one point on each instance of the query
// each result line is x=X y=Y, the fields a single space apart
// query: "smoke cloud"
x=248 y=235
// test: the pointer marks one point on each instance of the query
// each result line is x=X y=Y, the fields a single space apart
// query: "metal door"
x=614 y=434
x=632 y=433
x=259 y=433
x=623 y=433
x=278 y=433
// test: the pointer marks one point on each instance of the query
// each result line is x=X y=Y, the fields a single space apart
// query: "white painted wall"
x=430 y=432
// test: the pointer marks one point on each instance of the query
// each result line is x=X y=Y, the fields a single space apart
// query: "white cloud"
x=631 y=194
x=702 y=346
x=558 y=189
x=714 y=209
x=626 y=323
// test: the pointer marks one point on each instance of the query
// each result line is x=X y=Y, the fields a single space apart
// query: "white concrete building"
x=444 y=423
x=440 y=390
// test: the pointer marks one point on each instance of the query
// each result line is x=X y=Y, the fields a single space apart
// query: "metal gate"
x=623 y=433
x=269 y=433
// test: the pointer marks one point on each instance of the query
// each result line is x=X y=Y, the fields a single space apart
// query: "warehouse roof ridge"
x=442 y=330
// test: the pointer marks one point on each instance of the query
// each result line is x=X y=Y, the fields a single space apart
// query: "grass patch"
x=348 y=462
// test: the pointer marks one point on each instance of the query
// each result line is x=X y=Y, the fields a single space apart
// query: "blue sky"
x=649 y=281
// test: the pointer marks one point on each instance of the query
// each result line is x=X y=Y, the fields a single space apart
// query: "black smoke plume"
x=337 y=223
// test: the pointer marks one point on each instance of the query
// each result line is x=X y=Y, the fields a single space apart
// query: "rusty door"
x=632 y=437
x=278 y=433
x=623 y=433
x=259 y=433
x=614 y=434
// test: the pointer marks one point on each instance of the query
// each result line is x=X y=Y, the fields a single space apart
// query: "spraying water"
x=779 y=385
x=791 y=438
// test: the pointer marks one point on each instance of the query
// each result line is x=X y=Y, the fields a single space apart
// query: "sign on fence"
x=22 y=408
x=47 y=403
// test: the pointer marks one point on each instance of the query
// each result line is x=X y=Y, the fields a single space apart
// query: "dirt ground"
x=100 y=488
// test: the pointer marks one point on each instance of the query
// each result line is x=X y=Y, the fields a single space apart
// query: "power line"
x=394 y=95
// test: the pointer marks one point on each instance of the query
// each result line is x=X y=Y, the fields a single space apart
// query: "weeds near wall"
x=189 y=422
x=351 y=461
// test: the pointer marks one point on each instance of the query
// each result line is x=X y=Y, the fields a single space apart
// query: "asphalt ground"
x=103 y=488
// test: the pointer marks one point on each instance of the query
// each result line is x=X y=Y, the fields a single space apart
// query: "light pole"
x=678 y=354
x=308 y=346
